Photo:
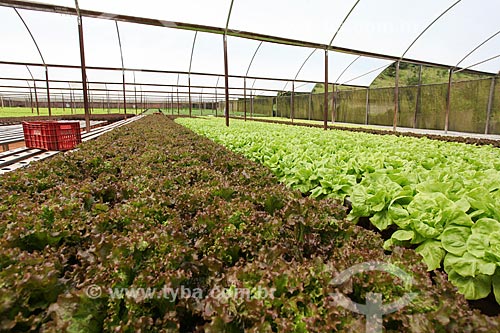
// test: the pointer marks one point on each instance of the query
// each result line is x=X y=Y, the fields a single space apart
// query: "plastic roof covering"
x=379 y=26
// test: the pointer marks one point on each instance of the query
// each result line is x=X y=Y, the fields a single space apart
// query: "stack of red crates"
x=52 y=135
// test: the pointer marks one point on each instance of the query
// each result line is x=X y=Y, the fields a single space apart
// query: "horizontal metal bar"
x=129 y=84
x=158 y=71
x=210 y=29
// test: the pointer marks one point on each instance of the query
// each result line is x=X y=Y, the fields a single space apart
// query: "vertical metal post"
x=226 y=79
x=334 y=104
x=84 y=70
x=123 y=71
x=245 y=98
x=201 y=102
x=48 y=90
x=216 y=103
x=277 y=102
x=189 y=96
x=135 y=94
x=309 y=106
x=490 y=105
x=419 y=96
x=172 y=101
x=448 y=102
x=1 y=99
x=71 y=103
x=31 y=99
x=367 y=114
x=107 y=98
x=292 y=102
x=178 y=106
x=396 y=99
x=325 y=100
x=251 y=103
x=63 y=103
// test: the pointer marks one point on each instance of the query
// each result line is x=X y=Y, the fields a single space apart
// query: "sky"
x=379 y=26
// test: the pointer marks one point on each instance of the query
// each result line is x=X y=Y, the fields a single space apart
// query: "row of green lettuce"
x=441 y=198
x=153 y=205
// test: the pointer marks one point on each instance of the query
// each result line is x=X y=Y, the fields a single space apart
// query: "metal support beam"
x=325 y=101
x=252 y=96
x=84 y=71
x=123 y=70
x=189 y=74
x=448 y=101
x=334 y=104
x=226 y=63
x=309 y=106
x=396 y=99
x=226 y=80
x=292 y=102
x=419 y=97
x=245 y=98
x=367 y=114
x=48 y=90
x=490 y=105
x=31 y=99
x=189 y=97
x=135 y=95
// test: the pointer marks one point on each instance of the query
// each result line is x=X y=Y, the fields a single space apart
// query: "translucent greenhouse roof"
x=279 y=40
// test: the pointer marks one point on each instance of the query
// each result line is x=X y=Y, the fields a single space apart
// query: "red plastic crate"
x=52 y=135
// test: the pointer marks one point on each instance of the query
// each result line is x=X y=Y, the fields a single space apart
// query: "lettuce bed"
x=152 y=205
x=441 y=198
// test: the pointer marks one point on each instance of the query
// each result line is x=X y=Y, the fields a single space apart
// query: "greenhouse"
x=250 y=166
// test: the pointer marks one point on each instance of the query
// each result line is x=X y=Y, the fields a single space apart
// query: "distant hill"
x=408 y=75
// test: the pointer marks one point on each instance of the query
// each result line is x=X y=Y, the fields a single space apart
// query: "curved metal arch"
x=304 y=63
x=331 y=41
x=478 y=63
x=365 y=74
x=34 y=88
x=123 y=67
x=245 y=81
x=477 y=48
x=43 y=61
x=348 y=66
x=253 y=58
x=450 y=81
x=342 y=24
x=428 y=27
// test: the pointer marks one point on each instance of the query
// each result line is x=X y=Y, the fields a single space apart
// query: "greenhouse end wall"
x=468 y=108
